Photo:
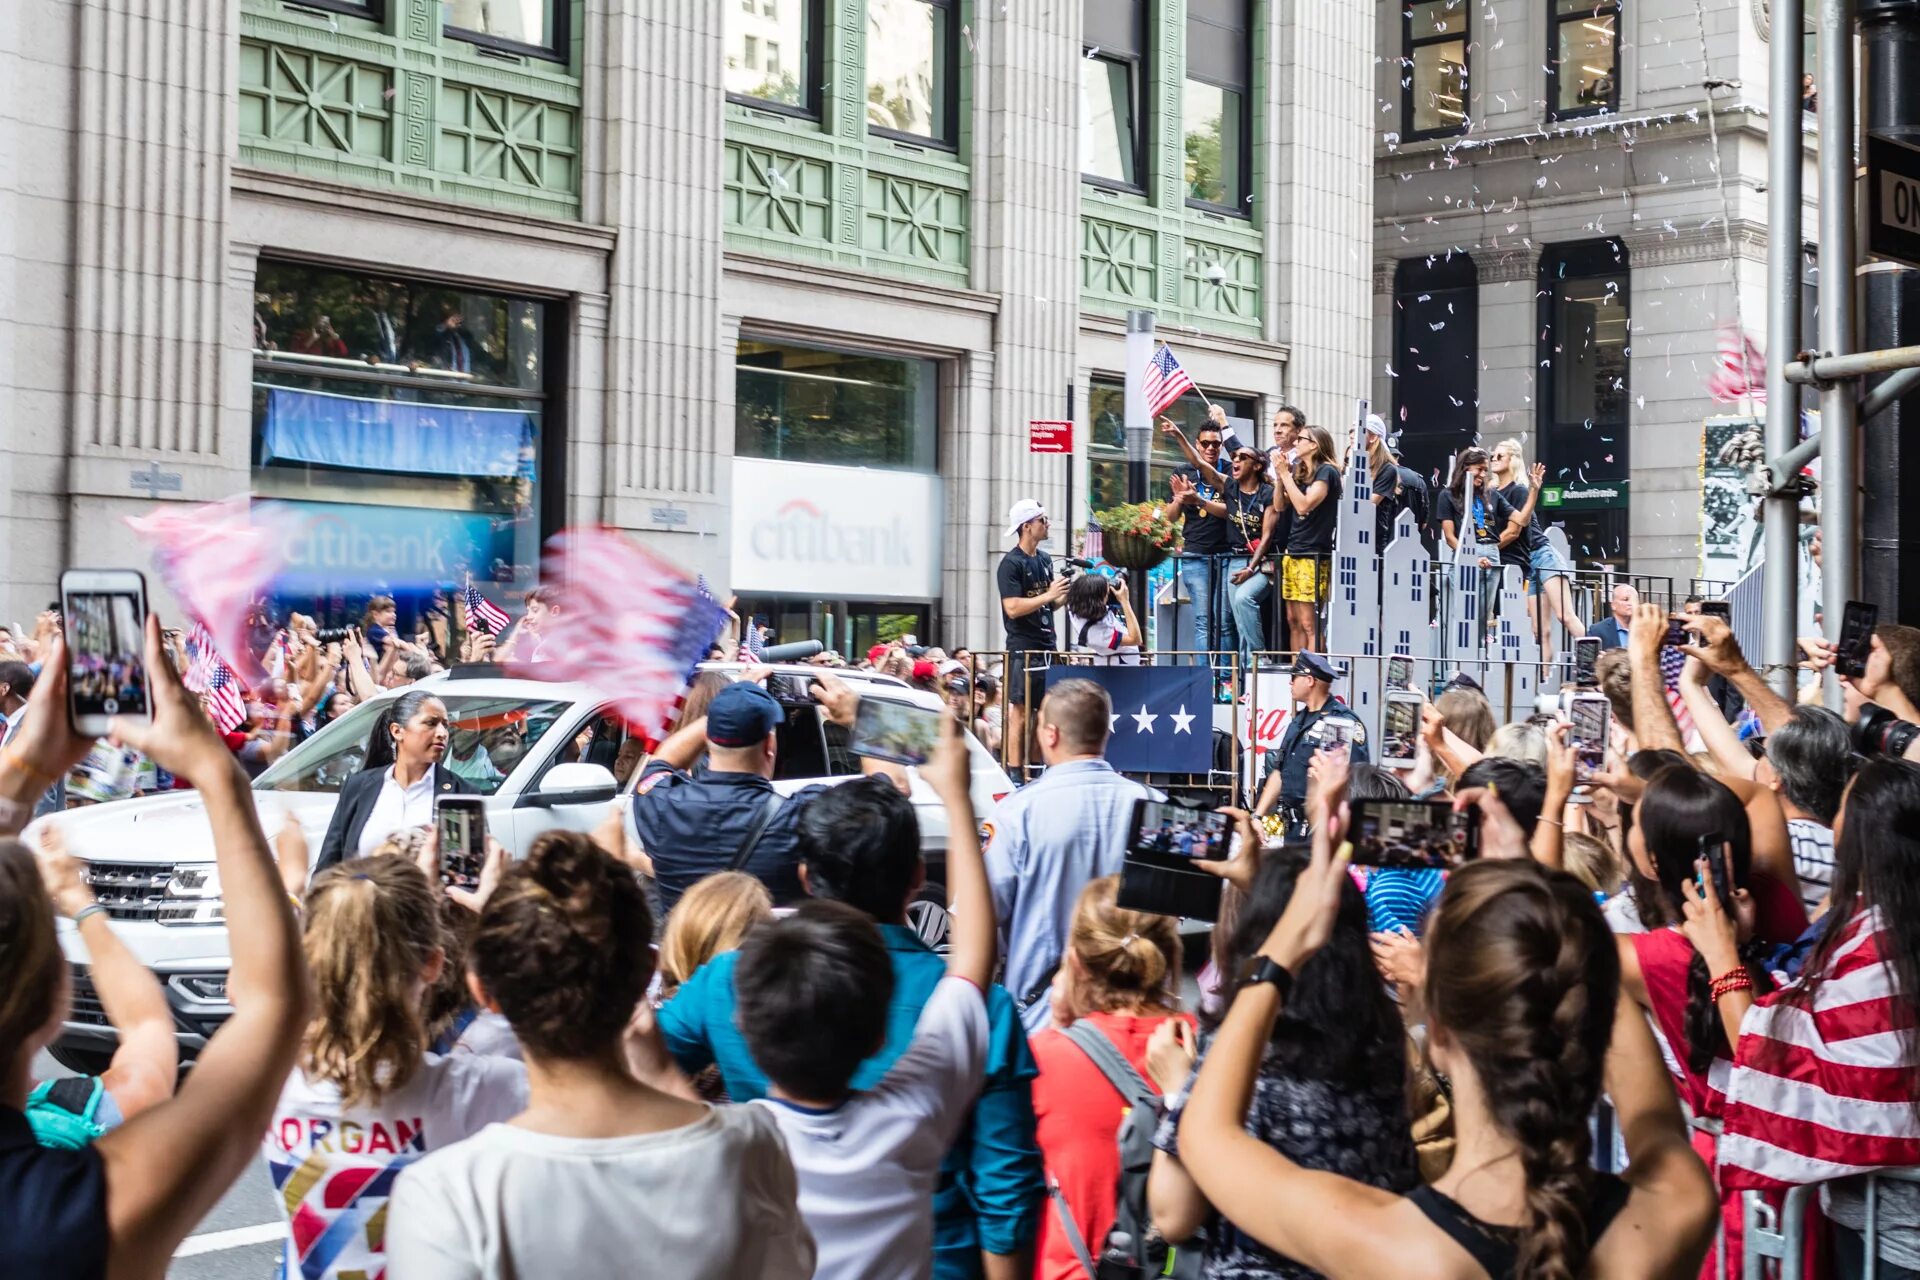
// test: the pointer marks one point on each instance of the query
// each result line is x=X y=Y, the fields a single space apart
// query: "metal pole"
x=1780 y=576
x=1139 y=424
x=1839 y=403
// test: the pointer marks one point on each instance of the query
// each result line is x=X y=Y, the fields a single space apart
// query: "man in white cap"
x=1029 y=593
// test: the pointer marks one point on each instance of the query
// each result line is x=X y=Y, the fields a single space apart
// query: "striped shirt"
x=1398 y=898
x=1812 y=860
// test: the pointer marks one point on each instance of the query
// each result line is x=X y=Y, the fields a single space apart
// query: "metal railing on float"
x=1775 y=1240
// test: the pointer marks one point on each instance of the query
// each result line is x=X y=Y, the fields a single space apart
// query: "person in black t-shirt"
x=1547 y=570
x=1385 y=480
x=1251 y=512
x=1472 y=508
x=1312 y=489
x=1029 y=593
x=1206 y=541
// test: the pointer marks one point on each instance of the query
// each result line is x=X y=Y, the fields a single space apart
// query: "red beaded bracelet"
x=1732 y=980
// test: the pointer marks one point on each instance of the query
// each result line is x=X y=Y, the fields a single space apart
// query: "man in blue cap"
x=727 y=816
x=1319 y=721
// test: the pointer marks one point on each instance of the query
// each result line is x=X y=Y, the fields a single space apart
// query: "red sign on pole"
x=1049 y=437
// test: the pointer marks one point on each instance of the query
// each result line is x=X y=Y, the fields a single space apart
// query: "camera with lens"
x=1882 y=733
x=331 y=635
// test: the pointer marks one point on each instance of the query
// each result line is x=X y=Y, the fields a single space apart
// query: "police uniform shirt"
x=1024 y=576
x=1307 y=733
x=694 y=824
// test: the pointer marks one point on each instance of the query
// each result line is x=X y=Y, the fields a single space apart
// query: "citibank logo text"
x=802 y=532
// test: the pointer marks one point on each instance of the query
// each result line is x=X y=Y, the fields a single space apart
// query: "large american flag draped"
x=1824 y=1091
x=1165 y=382
x=214 y=681
x=631 y=625
x=217 y=558
x=483 y=614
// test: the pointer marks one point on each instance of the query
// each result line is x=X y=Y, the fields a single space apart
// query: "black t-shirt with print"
x=1246 y=512
x=1026 y=575
x=1534 y=536
x=1312 y=533
x=1386 y=487
x=1203 y=535
x=1495 y=512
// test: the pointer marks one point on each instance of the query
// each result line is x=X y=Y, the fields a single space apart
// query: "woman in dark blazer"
x=400 y=782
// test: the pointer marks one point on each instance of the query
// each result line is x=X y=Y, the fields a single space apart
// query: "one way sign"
x=1893 y=200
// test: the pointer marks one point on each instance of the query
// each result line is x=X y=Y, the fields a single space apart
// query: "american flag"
x=633 y=625
x=483 y=614
x=1740 y=371
x=214 y=681
x=1821 y=1090
x=1166 y=381
x=217 y=558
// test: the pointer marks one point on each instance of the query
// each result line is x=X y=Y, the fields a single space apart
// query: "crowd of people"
x=752 y=1034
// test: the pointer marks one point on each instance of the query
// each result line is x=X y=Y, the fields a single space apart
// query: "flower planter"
x=1131 y=551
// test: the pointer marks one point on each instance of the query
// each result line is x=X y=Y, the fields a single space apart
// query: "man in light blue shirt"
x=1049 y=838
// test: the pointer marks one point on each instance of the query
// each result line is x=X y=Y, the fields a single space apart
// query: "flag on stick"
x=483 y=614
x=1165 y=382
x=216 y=558
x=214 y=681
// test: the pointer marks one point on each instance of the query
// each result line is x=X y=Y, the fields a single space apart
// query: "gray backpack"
x=1133 y=1249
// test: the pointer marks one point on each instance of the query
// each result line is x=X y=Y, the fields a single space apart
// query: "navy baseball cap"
x=1312 y=664
x=741 y=715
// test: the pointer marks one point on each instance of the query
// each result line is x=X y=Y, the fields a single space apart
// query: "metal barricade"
x=1775 y=1239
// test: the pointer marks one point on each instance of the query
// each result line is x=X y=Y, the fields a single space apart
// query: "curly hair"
x=1522 y=976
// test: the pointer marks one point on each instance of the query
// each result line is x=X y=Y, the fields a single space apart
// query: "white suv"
x=150 y=859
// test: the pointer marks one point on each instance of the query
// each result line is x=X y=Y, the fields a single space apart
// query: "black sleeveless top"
x=53 y=1207
x=1497 y=1249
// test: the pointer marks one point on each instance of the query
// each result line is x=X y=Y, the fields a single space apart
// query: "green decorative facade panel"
x=771 y=193
x=1119 y=262
x=1221 y=282
x=915 y=220
x=394 y=102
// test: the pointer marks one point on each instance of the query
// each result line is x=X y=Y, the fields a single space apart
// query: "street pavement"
x=239 y=1239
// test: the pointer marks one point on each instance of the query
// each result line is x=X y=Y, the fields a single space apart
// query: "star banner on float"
x=1162 y=716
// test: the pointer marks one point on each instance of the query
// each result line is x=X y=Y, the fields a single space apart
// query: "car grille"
x=132 y=890
x=86 y=1008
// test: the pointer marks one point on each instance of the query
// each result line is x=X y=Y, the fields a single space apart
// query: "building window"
x=1107 y=440
x=1216 y=103
x=1436 y=358
x=787 y=78
x=1583 y=362
x=1112 y=89
x=845 y=408
x=1583 y=57
x=1434 y=79
x=409 y=429
x=912 y=66
x=533 y=27
x=372 y=9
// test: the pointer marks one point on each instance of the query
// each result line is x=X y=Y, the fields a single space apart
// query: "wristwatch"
x=1258 y=969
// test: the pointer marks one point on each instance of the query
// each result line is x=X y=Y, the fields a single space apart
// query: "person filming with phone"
x=1319 y=721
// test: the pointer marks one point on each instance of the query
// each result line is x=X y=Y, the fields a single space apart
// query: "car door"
x=528 y=815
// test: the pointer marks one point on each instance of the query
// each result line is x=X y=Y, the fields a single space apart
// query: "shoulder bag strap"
x=1075 y=1240
x=1120 y=1073
x=758 y=829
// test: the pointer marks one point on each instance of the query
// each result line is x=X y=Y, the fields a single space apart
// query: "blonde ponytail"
x=1122 y=960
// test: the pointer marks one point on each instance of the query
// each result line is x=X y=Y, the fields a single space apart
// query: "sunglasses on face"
x=1209 y=444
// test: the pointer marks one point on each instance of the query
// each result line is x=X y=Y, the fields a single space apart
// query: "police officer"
x=1317 y=722
x=727 y=816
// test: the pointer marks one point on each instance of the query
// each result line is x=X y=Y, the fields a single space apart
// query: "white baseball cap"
x=1376 y=425
x=1021 y=512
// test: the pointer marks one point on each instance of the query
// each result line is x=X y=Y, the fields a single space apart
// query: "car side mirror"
x=574 y=784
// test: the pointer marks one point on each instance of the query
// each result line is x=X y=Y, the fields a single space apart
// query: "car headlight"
x=193 y=897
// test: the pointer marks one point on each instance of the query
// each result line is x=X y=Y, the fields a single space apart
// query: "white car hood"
x=173 y=827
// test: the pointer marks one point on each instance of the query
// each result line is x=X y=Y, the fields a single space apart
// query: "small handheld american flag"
x=483 y=614
x=214 y=681
x=1165 y=382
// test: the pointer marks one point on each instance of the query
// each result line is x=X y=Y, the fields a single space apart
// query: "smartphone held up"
x=461 y=823
x=106 y=615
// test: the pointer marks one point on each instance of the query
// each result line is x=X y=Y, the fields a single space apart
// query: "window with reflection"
x=911 y=68
x=1583 y=57
x=1434 y=77
x=1216 y=104
x=771 y=54
x=846 y=408
x=1585 y=364
x=520 y=26
x=1111 y=93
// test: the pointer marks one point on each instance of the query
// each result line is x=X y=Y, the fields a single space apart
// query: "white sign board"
x=849 y=532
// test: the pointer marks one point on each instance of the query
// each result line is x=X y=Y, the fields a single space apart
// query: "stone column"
x=655 y=86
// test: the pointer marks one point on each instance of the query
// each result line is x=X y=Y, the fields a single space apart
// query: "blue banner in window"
x=396 y=435
x=334 y=547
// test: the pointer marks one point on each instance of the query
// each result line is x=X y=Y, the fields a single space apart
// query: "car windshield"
x=490 y=736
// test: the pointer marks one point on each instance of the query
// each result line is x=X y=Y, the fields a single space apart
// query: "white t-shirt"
x=335 y=1168
x=395 y=809
x=868 y=1167
x=1103 y=639
x=712 y=1200
x=1812 y=860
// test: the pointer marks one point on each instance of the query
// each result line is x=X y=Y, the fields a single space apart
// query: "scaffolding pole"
x=1780 y=576
x=1839 y=401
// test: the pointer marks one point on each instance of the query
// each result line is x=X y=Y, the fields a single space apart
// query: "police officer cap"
x=1312 y=664
x=741 y=715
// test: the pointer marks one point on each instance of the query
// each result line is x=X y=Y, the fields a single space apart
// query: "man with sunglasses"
x=1198 y=501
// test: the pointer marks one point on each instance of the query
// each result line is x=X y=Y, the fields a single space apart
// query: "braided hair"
x=1522 y=976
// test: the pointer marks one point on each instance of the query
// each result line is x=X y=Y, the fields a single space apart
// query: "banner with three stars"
x=1162 y=716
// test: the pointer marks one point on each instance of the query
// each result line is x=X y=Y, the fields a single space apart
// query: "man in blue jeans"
x=1206 y=542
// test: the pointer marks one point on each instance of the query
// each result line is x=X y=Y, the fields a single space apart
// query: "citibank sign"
x=835 y=531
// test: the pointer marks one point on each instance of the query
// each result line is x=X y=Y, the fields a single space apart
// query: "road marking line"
x=236 y=1238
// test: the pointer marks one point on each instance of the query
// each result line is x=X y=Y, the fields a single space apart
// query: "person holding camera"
x=1093 y=627
x=1319 y=721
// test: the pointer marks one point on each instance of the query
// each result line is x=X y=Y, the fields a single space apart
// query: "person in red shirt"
x=1121 y=974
